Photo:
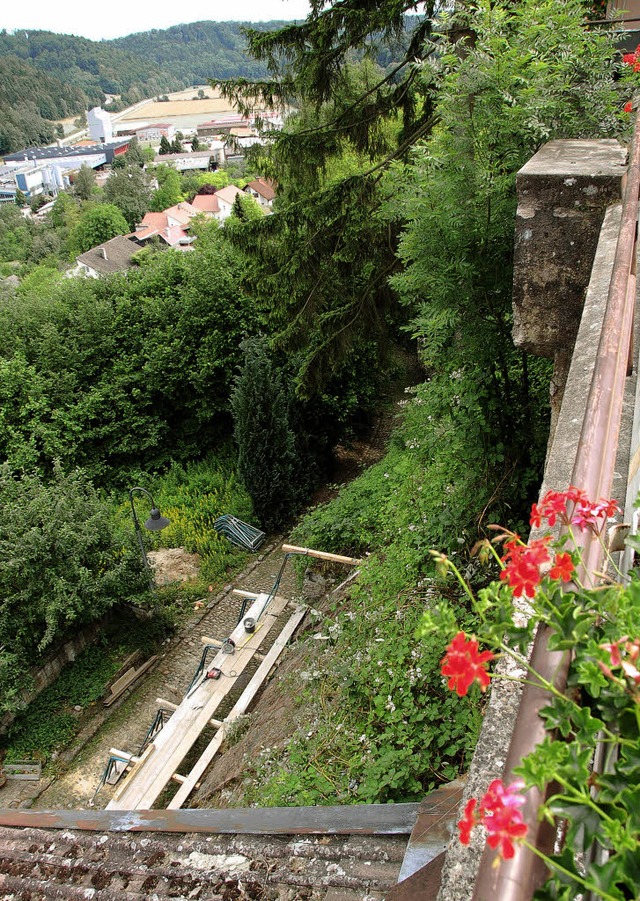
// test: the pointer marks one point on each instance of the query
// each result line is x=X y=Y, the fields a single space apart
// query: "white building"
x=226 y=197
x=153 y=134
x=99 y=124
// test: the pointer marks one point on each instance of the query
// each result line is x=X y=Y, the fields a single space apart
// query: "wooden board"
x=241 y=706
x=126 y=681
x=320 y=555
x=147 y=780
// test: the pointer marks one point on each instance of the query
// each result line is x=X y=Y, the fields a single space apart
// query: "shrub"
x=63 y=564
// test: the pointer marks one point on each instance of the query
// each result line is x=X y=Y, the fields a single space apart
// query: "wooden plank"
x=123 y=681
x=171 y=706
x=146 y=782
x=127 y=680
x=239 y=708
x=321 y=555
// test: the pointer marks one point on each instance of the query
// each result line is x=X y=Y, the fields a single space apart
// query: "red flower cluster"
x=522 y=565
x=463 y=663
x=585 y=513
x=498 y=812
x=628 y=107
x=633 y=59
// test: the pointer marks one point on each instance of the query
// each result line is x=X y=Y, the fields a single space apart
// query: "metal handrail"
x=518 y=878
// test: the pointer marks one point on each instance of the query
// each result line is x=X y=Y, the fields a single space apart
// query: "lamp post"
x=155 y=523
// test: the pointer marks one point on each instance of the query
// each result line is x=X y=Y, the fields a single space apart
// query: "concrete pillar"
x=563 y=192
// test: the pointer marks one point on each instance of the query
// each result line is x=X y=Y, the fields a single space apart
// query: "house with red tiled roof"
x=172 y=225
x=158 y=225
x=206 y=203
x=263 y=191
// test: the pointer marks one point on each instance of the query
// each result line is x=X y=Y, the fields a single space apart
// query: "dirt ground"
x=155 y=111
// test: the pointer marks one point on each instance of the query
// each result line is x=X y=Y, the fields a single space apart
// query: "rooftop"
x=55 y=152
x=112 y=256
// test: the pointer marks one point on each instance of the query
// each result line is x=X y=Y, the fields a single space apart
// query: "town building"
x=197 y=159
x=262 y=190
x=99 y=125
x=153 y=134
x=226 y=197
x=113 y=256
x=222 y=126
x=66 y=158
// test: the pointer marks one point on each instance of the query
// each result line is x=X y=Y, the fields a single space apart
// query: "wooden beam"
x=321 y=555
x=115 y=752
x=238 y=710
x=132 y=772
x=174 y=741
x=171 y=706
x=204 y=639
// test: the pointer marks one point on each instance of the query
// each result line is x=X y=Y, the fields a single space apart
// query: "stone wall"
x=45 y=675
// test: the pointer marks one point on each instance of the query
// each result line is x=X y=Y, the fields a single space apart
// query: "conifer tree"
x=264 y=438
x=165 y=146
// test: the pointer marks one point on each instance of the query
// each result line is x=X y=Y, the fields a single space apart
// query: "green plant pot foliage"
x=596 y=625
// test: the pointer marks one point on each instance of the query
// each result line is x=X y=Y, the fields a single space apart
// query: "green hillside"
x=29 y=101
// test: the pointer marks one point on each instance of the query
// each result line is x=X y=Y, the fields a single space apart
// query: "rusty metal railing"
x=518 y=878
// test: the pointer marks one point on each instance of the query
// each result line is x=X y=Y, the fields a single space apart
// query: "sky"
x=116 y=18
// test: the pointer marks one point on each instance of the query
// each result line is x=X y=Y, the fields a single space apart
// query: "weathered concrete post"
x=563 y=192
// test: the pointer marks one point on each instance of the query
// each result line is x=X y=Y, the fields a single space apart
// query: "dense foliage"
x=63 y=564
x=126 y=371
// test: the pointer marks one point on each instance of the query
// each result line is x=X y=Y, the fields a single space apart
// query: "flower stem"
x=553 y=865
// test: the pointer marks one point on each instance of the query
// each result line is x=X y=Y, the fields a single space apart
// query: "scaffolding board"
x=148 y=778
x=240 y=707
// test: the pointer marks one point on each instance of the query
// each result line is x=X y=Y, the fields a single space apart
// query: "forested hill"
x=29 y=103
x=140 y=65
x=45 y=76
x=200 y=51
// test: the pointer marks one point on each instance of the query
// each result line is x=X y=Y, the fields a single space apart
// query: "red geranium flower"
x=463 y=664
x=468 y=821
x=586 y=513
x=498 y=812
x=563 y=568
x=628 y=107
x=522 y=565
x=500 y=815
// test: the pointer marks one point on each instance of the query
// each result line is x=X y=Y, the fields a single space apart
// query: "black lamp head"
x=156 y=522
